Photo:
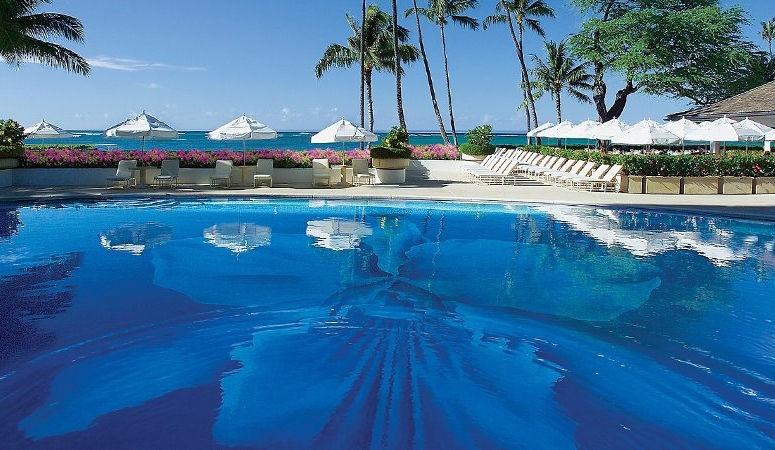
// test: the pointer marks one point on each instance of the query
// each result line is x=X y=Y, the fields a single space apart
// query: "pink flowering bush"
x=92 y=158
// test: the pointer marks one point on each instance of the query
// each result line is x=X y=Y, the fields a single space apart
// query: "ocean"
x=286 y=140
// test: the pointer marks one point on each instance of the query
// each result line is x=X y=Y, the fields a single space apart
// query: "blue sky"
x=201 y=69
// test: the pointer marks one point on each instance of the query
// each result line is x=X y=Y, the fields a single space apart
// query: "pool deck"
x=759 y=207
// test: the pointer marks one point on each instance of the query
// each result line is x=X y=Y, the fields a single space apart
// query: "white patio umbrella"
x=343 y=131
x=681 y=128
x=243 y=128
x=645 y=133
x=558 y=131
x=583 y=129
x=605 y=131
x=45 y=130
x=725 y=130
x=532 y=133
x=142 y=126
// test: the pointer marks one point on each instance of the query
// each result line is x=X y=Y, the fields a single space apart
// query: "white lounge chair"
x=222 y=173
x=264 y=172
x=603 y=183
x=125 y=173
x=169 y=173
x=361 y=172
x=321 y=172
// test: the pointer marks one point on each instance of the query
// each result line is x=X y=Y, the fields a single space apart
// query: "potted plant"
x=391 y=158
x=11 y=143
x=477 y=144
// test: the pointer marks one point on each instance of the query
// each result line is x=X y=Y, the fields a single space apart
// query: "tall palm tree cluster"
x=379 y=43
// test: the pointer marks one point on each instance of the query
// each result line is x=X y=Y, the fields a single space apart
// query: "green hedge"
x=732 y=164
x=473 y=149
x=390 y=153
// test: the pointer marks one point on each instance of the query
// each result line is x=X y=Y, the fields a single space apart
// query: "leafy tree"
x=414 y=10
x=768 y=33
x=23 y=33
x=440 y=12
x=678 y=48
x=522 y=13
x=378 y=50
x=560 y=72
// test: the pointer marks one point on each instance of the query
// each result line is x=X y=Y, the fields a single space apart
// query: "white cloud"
x=153 y=86
x=287 y=114
x=132 y=65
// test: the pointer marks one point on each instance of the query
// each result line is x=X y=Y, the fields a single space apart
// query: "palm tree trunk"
x=557 y=106
x=399 y=98
x=530 y=102
x=442 y=130
x=524 y=81
x=370 y=99
x=363 y=57
x=449 y=89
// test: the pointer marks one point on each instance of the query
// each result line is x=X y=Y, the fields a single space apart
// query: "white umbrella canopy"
x=583 y=129
x=681 y=127
x=45 y=130
x=725 y=130
x=243 y=128
x=558 y=131
x=343 y=131
x=645 y=133
x=142 y=126
x=609 y=129
x=752 y=125
x=539 y=128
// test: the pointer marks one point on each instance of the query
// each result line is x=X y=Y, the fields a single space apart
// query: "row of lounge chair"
x=168 y=176
x=509 y=165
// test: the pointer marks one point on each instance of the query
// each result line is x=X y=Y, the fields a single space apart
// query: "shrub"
x=391 y=153
x=397 y=138
x=11 y=133
x=478 y=141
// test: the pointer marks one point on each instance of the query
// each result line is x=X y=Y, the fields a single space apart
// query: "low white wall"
x=6 y=177
x=425 y=169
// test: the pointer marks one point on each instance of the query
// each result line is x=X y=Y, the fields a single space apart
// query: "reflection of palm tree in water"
x=9 y=222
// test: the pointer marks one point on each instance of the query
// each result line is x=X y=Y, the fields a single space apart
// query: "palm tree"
x=432 y=90
x=378 y=50
x=768 y=33
x=522 y=13
x=22 y=32
x=560 y=72
x=440 y=12
x=397 y=71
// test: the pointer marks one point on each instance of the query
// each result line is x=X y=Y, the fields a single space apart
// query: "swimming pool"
x=259 y=323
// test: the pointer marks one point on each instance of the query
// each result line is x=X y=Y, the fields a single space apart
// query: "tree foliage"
x=24 y=34
x=678 y=48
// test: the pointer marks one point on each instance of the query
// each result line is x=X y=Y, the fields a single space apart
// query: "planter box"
x=467 y=157
x=390 y=176
x=700 y=185
x=736 y=185
x=635 y=184
x=663 y=185
x=390 y=163
x=764 y=185
x=9 y=163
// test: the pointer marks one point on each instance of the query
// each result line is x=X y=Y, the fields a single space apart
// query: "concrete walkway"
x=760 y=207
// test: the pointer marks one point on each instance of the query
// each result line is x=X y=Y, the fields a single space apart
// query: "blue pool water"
x=257 y=323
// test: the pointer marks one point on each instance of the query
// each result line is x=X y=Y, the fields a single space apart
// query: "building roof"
x=757 y=104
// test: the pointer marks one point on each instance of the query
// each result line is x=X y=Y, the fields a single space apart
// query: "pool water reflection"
x=338 y=324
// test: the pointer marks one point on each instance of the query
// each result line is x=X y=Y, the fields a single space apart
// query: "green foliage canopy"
x=680 y=48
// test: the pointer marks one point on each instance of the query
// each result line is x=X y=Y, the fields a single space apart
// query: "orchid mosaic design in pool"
x=336 y=324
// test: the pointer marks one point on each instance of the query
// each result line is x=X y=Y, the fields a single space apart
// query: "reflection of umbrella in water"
x=134 y=238
x=142 y=126
x=238 y=237
x=337 y=234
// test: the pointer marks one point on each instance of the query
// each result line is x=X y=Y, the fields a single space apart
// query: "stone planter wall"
x=764 y=185
x=736 y=185
x=9 y=163
x=700 y=185
x=663 y=185
x=635 y=184
x=467 y=157
x=390 y=163
x=390 y=176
